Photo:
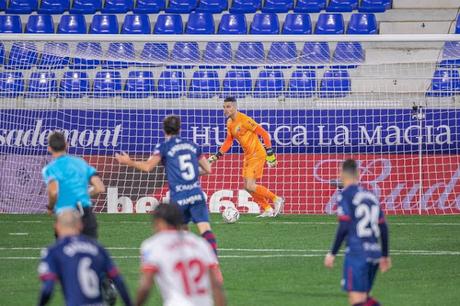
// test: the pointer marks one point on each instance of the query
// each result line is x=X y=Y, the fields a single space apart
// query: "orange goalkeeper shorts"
x=253 y=166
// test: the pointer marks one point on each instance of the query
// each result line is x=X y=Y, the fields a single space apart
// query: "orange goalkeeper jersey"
x=243 y=130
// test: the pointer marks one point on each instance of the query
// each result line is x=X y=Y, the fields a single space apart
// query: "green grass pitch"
x=265 y=262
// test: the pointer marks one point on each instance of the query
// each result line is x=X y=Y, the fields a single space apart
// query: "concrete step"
x=426 y=4
x=417 y=27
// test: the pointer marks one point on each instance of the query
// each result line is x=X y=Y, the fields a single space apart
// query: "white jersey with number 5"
x=181 y=262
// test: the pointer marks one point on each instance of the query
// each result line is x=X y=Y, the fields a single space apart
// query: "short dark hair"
x=57 y=142
x=350 y=167
x=168 y=213
x=171 y=125
x=230 y=99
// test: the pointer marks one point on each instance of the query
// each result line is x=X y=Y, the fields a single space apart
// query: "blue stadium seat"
x=212 y=6
x=265 y=23
x=200 y=23
x=42 y=85
x=330 y=24
x=217 y=53
x=55 y=55
x=283 y=54
x=277 y=6
x=10 y=24
x=169 y=24
x=372 y=6
x=302 y=84
x=315 y=55
x=90 y=52
x=457 y=26
x=72 y=24
x=181 y=6
x=269 y=84
x=11 y=84
x=21 y=6
x=185 y=52
x=445 y=83
x=451 y=55
x=249 y=53
x=245 y=6
x=22 y=56
x=154 y=54
x=309 y=6
x=120 y=55
x=85 y=6
x=336 y=83
x=233 y=24
x=362 y=24
x=2 y=53
x=40 y=24
x=171 y=84
x=237 y=83
x=74 y=84
x=104 y=24
x=204 y=84
x=348 y=55
x=107 y=84
x=149 y=6
x=117 y=6
x=342 y=5
x=2 y=5
x=139 y=85
x=136 y=24
x=297 y=24
x=53 y=6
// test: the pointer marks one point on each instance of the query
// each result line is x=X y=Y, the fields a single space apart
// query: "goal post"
x=389 y=101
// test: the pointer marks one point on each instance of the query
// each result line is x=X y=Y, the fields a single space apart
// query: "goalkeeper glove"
x=271 y=158
x=214 y=157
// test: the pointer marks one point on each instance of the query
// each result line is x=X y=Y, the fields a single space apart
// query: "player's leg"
x=89 y=222
x=200 y=216
x=372 y=273
x=354 y=280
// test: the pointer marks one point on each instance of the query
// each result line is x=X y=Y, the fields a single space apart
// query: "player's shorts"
x=196 y=212
x=253 y=166
x=88 y=219
x=358 y=274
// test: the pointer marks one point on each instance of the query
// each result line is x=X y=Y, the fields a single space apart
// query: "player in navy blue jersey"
x=362 y=224
x=71 y=183
x=184 y=163
x=79 y=263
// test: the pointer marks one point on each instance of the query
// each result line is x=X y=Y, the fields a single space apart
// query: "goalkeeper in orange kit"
x=246 y=131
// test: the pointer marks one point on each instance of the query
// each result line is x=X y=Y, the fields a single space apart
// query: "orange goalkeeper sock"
x=264 y=192
x=261 y=201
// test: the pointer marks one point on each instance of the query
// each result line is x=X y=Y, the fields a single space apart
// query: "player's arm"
x=271 y=158
x=97 y=186
x=385 y=261
x=341 y=233
x=205 y=166
x=217 y=288
x=145 y=284
x=115 y=276
x=146 y=165
x=48 y=276
x=52 y=190
x=223 y=149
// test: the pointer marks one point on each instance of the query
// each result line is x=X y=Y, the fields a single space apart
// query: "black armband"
x=219 y=154
x=269 y=151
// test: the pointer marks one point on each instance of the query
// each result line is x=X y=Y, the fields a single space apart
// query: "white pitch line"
x=18 y=234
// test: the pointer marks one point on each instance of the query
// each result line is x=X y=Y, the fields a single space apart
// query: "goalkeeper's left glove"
x=271 y=158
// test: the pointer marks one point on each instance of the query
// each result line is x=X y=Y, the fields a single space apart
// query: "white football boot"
x=279 y=204
x=269 y=213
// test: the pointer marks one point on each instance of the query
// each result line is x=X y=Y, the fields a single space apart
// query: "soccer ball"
x=230 y=215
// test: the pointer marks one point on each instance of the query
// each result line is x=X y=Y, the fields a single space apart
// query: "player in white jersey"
x=184 y=266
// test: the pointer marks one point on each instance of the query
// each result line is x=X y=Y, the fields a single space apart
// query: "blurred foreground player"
x=79 y=263
x=362 y=223
x=184 y=164
x=71 y=182
x=183 y=265
x=246 y=131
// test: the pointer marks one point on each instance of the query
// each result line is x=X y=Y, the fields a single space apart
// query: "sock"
x=371 y=302
x=211 y=239
x=264 y=192
x=359 y=304
x=261 y=201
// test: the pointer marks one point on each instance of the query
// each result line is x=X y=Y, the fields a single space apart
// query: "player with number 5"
x=184 y=163
x=247 y=132
x=362 y=223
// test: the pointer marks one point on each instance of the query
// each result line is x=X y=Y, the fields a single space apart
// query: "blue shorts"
x=196 y=212
x=358 y=274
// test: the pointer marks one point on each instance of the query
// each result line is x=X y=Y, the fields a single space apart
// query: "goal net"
x=391 y=102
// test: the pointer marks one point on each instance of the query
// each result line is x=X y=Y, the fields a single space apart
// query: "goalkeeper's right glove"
x=214 y=157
